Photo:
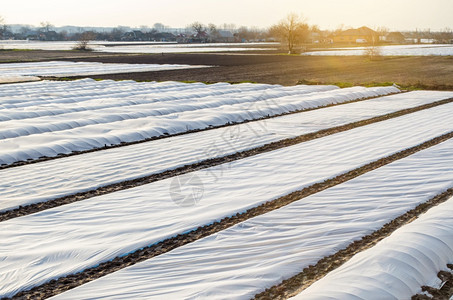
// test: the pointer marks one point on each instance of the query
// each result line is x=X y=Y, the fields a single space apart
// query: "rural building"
x=225 y=36
x=135 y=35
x=355 y=36
x=395 y=37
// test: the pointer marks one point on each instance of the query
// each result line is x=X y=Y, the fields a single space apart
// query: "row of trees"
x=292 y=32
x=212 y=32
x=159 y=32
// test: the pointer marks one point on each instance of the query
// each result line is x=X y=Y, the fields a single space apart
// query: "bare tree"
x=117 y=33
x=24 y=29
x=198 y=28
x=84 y=40
x=373 y=52
x=292 y=31
x=46 y=26
x=145 y=29
x=444 y=36
x=159 y=27
x=2 y=27
x=339 y=29
x=229 y=27
x=382 y=33
x=213 y=32
x=244 y=33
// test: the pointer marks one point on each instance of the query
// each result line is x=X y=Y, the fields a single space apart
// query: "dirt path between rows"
x=37 y=207
x=288 y=287
x=445 y=292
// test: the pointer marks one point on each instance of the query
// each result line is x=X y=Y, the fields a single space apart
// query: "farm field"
x=402 y=250
x=410 y=72
x=194 y=190
x=396 y=50
x=220 y=188
x=248 y=150
x=66 y=176
x=247 y=257
x=64 y=68
x=43 y=119
x=140 y=47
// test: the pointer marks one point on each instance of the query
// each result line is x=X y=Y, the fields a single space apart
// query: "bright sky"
x=328 y=14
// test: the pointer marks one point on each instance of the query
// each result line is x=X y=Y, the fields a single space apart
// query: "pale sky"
x=328 y=14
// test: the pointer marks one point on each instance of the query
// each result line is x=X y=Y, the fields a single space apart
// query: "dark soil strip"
x=37 y=207
x=296 y=284
x=444 y=292
x=62 y=284
x=167 y=135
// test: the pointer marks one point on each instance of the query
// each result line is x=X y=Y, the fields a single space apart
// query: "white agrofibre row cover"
x=396 y=267
x=67 y=239
x=243 y=260
x=138 y=47
x=51 y=179
x=69 y=68
x=391 y=50
x=166 y=111
x=17 y=78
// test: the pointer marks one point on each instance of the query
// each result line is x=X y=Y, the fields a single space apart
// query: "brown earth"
x=430 y=72
x=408 y=72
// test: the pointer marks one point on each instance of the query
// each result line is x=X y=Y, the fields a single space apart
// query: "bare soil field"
x=410 y=72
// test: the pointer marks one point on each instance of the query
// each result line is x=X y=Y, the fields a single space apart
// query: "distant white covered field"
x=18 y=72
x=73 y=237
x=138 y=47
x=393 y=50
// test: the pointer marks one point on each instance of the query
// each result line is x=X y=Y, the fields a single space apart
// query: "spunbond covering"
x=48 y=180
x=70 y=238
x=51 y=118
x=69 y=68
x=256 y=254
x=17 y=78
x=398 y=266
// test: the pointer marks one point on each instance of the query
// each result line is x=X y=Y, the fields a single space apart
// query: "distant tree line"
x=195 y=32
x=293 y=32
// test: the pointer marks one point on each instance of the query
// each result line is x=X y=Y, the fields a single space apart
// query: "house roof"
x=225 y=34
x=395 y=34
x=359 y=31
